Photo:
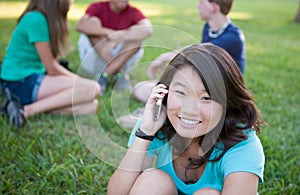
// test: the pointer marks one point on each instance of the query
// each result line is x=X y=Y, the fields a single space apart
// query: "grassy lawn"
x=77 y=155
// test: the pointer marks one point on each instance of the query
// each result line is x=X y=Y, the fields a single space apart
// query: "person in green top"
x=31 y=72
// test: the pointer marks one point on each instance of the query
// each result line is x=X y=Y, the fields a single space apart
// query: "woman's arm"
x=131 y=166
x=240 y=183
x=235 y=184
x=135 y=159
x=51 y=64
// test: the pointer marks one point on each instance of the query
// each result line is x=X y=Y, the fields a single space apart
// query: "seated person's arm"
x=159 y=63
x=138 y=32
x=92 y=26
x=51 y=64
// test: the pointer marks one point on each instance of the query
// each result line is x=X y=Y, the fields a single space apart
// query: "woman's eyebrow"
x=180 y=84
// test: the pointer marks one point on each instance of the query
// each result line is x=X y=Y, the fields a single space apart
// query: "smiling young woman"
x=205 y=138
x=190 y=109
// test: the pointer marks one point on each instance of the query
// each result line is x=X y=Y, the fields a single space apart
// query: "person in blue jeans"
x=32 y=79
x=218 y=30
x=205 y=139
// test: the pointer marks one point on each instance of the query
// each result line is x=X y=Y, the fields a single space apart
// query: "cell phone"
x=157 y=109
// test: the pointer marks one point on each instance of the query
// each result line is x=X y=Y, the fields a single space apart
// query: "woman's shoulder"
x=249 y=147
x=245 y=156
x=34 y=16
x=40 y=19
x=251 y=135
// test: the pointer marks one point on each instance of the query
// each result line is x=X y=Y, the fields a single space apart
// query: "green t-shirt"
x=22 y=58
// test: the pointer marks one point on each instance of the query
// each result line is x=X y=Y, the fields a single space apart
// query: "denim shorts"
x=26 y=90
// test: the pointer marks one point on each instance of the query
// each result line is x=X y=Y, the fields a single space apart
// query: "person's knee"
x=97 y=89
x=90 y=88
x=154 y=181
x=93 y=88
x=96 y=104
x=208 y=191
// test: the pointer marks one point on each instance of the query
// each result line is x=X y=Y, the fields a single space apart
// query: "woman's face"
x=189 y=106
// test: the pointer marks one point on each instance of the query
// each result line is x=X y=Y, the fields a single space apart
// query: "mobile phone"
x=157 y=109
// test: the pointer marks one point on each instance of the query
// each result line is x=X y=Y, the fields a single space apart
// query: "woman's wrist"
x=141 y=134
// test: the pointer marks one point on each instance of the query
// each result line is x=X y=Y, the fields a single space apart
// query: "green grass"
x=72 y=155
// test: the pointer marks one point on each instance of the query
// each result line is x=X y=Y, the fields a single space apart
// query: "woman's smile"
x=190 y=109
x=189 y=122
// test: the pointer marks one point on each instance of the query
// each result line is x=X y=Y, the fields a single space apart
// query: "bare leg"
x=154 y=181
x=57 y=92
x=119 y=61
x=207 y=191
x=116 y=63
x=84 y=108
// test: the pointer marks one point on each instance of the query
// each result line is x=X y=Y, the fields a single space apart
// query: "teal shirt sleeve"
x=37 y=28
x=246 y=156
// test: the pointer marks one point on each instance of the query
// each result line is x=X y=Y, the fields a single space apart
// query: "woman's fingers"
x=158 y=92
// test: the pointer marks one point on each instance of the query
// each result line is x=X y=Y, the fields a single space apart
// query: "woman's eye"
x=179 y=92
x=206 y=98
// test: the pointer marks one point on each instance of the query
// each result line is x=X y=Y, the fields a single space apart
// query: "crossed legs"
x=65 y=95
x=115 y=63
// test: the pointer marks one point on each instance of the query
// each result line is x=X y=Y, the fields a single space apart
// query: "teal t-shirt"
x=246 y=156
x=22 y=58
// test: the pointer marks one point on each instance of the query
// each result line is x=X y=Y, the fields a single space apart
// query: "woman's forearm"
x=129 y=169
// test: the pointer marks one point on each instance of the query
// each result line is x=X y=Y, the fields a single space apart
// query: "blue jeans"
x=26 y=90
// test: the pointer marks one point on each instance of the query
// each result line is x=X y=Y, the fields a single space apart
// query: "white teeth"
x=189 y=122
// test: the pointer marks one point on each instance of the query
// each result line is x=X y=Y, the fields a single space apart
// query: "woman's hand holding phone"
x=155 y=112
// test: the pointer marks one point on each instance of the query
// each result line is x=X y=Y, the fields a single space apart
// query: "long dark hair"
x=224 y=83
x=56 y=13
